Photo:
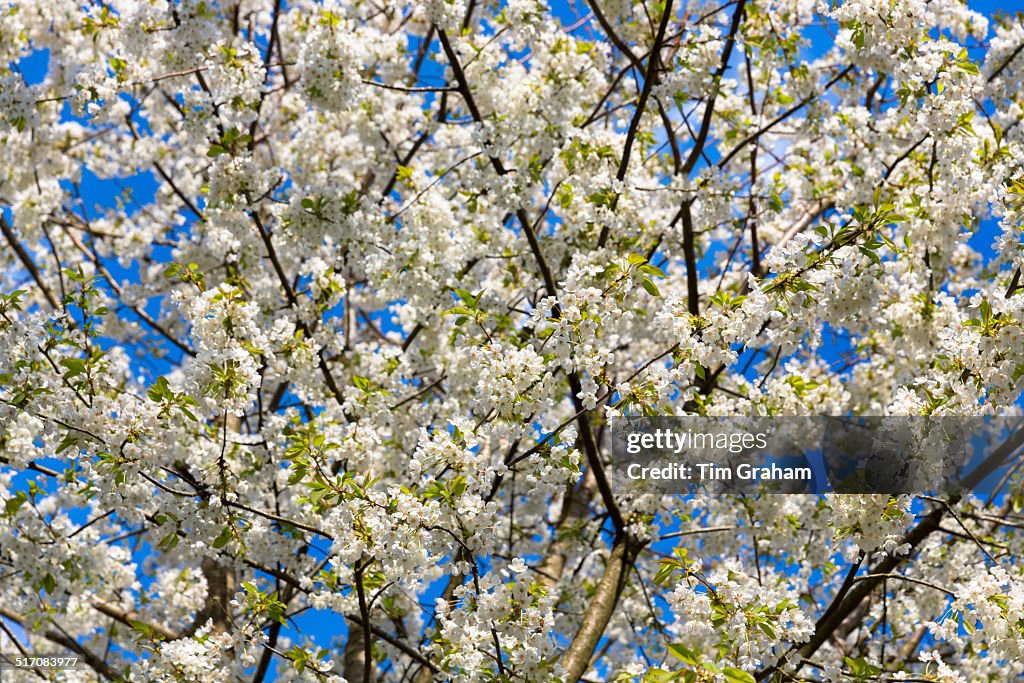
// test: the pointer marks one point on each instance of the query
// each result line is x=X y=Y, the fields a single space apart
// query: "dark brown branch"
x=575 y=386
x=27 y=262
x=56 y=637
x=358 y=658
x=994 y=461
x=613 y=36
x=126 y=618
x=780 y=118
x=1005 y=63
x=145 y=317
x=407 y=89
x=709 y=108
x=690 y=255
x=834 y=616
x=397 y=643
x=1014 y=284
x=293 y=302
x=641 y=107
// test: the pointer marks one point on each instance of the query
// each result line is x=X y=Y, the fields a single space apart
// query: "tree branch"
x=56 y=637
x=835 y=615
x=641 y=107
x=576 y=660
x=27 y=262
x=709 y=109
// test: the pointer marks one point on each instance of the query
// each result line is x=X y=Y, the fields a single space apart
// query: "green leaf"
x=871 y=255
x=667 y=569
x=142 y=627
x=168 y=542
x=75 y=366
x=968 y=67
x=14 y=504
x=861 y=669
x=298 y=656
x=684 y=654
x=565 y=196
x=70 y=439
x=466 y=297
x=160 y=390
x=458 y=487
x=659 y=676
x=649 y=269
x=734 y=675
x=224 y=537
x=651 y=288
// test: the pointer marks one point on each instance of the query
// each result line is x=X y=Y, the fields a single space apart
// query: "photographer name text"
x=706 y=471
